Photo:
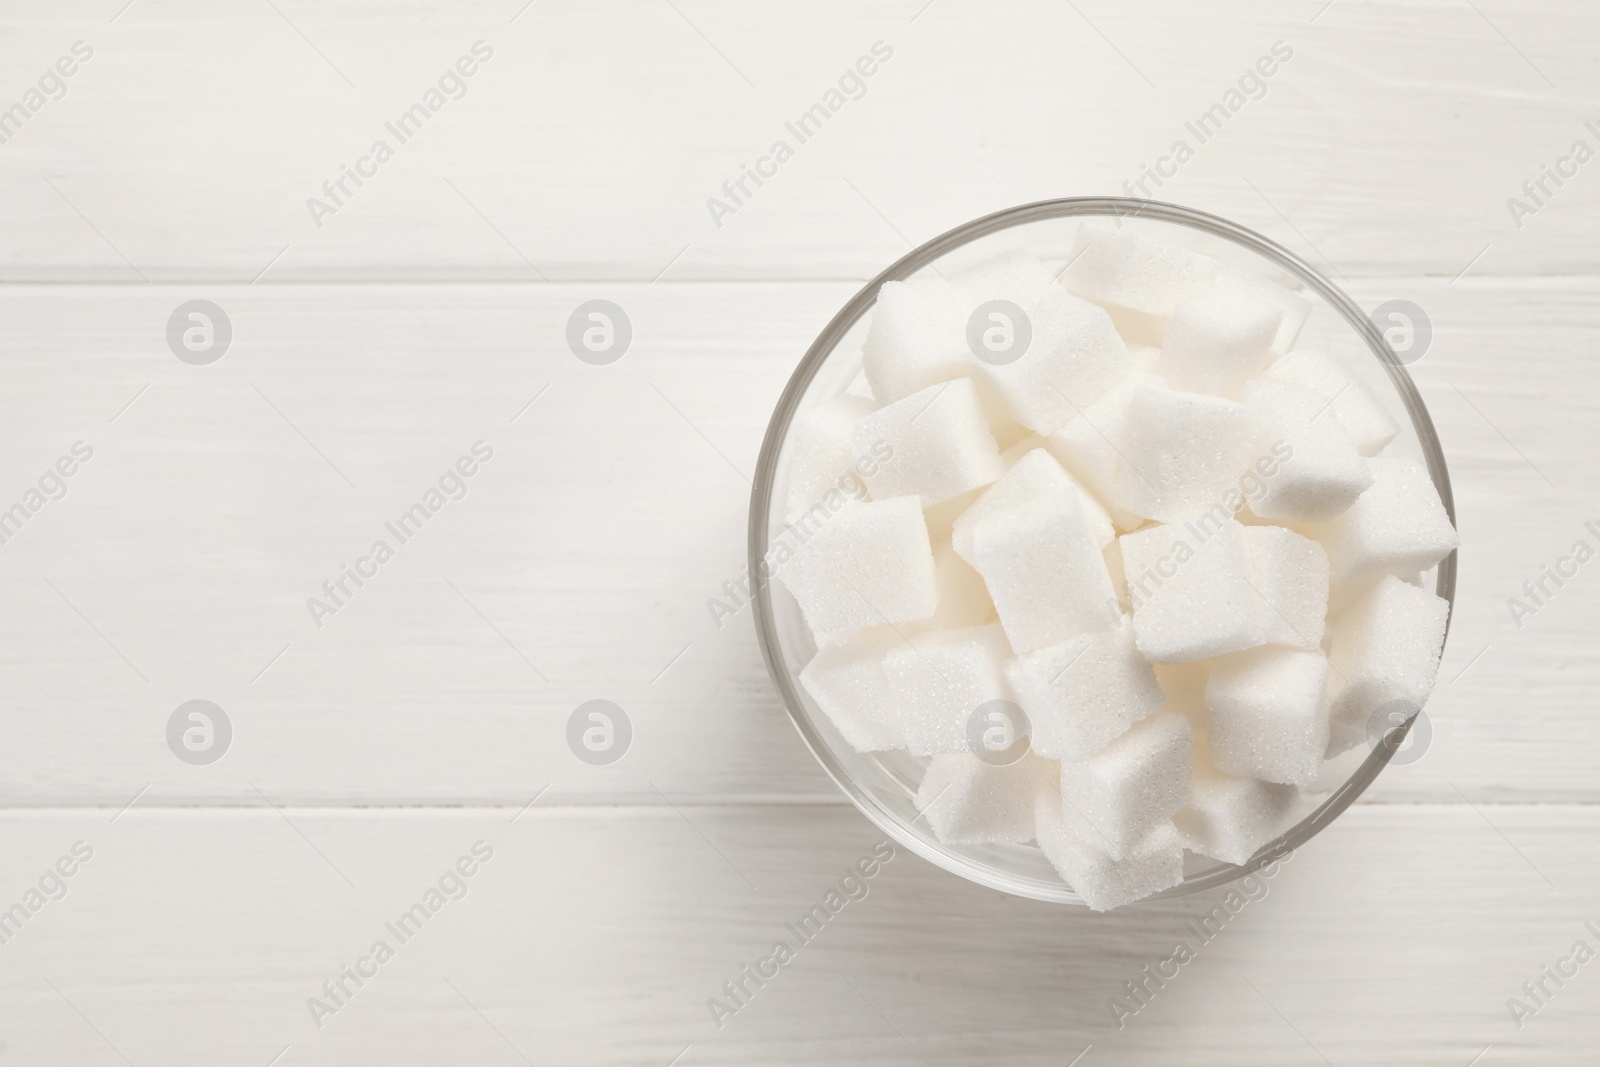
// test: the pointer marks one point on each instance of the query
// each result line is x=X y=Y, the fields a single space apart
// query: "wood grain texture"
x=579 y=564
x=598 y=937
x=589 y=145
x=429 y=310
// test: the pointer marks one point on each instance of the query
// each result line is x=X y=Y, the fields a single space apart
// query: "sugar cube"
x=1253 y=290
x=1153 y=864
x=849 y=685
x=860 y=387
x=938 y=681
x=1089 y=447
x=1082 y=694
x=1215 y=345
x=1034 y=475
x=1119 y=580
x=963 y=598
x=1144 y=357
x=1021 y=280
x=1044 y=571
x=1397 y=526
x=819 y=440
x=1190 y=585
x=1316 y=472
x=916 y=338
x=1289 y=574
x=938 y=442
x=1187 y=453
x=1133 y=784
x=1139 y=278
x=1384 y=648
x=1229 y=817
x=1027 y=443
x=1057 y=362
x=941 y=517
x=1362 y=417
x=1267 y=714
x=1183 y=688
x=1012 y=275
x=969 y=801
x=869 y=565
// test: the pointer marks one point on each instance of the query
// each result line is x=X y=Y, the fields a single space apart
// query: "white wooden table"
x=429 y=712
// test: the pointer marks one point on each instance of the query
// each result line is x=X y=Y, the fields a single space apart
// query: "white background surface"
x=425 y=315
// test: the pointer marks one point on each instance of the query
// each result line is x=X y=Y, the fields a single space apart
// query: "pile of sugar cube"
x=1117 y=499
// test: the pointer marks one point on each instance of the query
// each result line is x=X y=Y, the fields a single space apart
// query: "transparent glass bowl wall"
x=882 y=784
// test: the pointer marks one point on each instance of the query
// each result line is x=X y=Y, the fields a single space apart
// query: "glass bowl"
x=882 y=784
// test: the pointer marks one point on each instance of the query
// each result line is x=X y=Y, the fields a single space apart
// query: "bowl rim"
x=811 y=363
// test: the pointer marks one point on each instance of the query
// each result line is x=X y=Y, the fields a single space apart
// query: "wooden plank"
x=589 y=145
x=598 y=938
x=579 y=565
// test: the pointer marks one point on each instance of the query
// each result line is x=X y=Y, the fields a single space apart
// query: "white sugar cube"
x=938 y=441
x=1034 y=475
x=1362 y=417
x=1251 y=290
x=1229 y=817
x=1316 y=471
x=1119 y=581
x=1144 y=357
x=1071 y=357
x=1341 y=595
x=1215 y=344
x=1183 y=688
x=1140 y=279
x=1084 y=693
x=970 y=801
x=1191 y=592
x=1090 y=447
x=1013 y=275
x=822 y=463
x=1133 y=784
x=1027 y=443
x=1384 y=648
x=1022 y=281
x=1290 y=575
x=1045 y=572
x=869 y=565
x=1186 y=452
x=1151 y=865
x=1267 y=714
x=916 y=338
x=939 y=680
x=963 y=598
x=1398 y=526
x=941 y=517
x=849 y=685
